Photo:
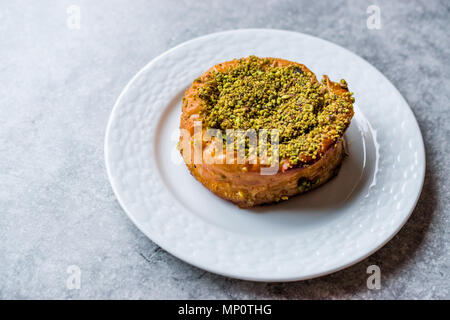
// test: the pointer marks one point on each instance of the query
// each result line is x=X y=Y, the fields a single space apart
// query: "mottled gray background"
x=58 y=87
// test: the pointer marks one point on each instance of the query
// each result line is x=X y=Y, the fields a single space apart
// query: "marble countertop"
x=60 y=77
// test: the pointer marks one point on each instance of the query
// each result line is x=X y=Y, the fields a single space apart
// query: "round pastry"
x=301 y=120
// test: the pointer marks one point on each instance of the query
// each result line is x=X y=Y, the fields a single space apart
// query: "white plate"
x=320 y=232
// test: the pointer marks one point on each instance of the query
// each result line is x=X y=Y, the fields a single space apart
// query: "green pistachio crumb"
x=257 y=94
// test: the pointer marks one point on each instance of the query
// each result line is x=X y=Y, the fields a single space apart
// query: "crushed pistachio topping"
x=256 y=93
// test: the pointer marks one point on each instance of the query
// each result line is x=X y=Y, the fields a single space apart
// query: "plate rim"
x=421 y=175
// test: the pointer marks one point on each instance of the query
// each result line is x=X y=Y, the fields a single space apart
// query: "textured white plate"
x=315 y=234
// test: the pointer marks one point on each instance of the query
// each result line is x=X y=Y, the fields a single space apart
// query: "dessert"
x=302 y=120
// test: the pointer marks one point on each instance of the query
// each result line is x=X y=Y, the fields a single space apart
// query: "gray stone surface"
x=58 y=87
